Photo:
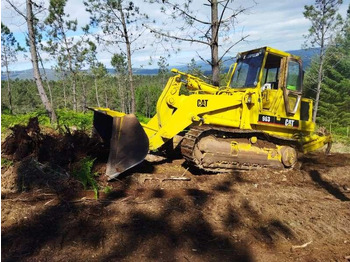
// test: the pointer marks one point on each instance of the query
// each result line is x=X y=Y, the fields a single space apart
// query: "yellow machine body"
x=263 y=95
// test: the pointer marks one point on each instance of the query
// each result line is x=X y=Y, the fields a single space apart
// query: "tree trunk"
x=214 y=45
x=74 y=93
x=131 y=83
x=128 y=54
x=106 y=97
x=96 y=92
x=34 y=58
x=318 y=89
x=320 y=69
x=121 y=94
x=47 y=80
x=84 y=96
x=64 y=94
x=72 y=72
x=8 y=86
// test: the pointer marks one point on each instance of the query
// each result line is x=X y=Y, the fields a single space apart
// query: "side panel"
x=197 y=109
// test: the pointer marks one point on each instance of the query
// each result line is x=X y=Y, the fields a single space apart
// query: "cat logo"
x=202 y=102
x=289 y=122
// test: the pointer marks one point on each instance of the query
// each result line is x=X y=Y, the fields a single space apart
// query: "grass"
x=340 y=148
x=341 y=144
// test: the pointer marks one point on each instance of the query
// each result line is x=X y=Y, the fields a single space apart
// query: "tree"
x=334 y=104
x=119 y=21
x=120 y=66
x=202 y=31
x=9 y=49
x=60 y=45
x=62 y=74
x=29 y=18
x=194 y=69
x=163 y=68
x=324 y=23
x=98 y=70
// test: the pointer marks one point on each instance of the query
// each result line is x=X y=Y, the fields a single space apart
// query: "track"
x=261 y=155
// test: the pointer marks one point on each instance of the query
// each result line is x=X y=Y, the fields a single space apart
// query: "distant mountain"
x=306 y=56
x=28 y=74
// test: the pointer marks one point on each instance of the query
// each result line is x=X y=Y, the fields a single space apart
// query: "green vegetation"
x=107 y=190
x=69 y=118
x=84 y=174
x=6 y=163
x=108 y=92
x=334 y=106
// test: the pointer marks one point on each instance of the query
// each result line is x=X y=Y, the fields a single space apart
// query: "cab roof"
x=272 y=51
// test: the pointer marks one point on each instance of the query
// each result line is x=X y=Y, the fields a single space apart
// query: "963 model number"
x=281 y=121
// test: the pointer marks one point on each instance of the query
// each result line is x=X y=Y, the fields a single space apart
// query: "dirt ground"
x=299 y=214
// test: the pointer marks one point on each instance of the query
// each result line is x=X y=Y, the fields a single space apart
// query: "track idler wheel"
x=289 y=156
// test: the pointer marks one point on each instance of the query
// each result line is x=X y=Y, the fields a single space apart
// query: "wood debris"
x=177 y=178
x=302 y=246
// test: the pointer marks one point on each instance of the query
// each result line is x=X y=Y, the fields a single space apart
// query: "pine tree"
x=119 y=21
x=334 y=104
x=324 y=22
x=9 y=50
x=71 y=53
x=29 y=17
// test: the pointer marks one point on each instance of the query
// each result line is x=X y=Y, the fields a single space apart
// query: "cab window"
x=271 y=72
x=294 y=76
x=247 y=70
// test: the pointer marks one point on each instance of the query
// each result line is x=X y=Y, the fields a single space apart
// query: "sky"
x=276 y=23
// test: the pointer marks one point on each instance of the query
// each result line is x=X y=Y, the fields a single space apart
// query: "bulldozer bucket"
x=128 y=141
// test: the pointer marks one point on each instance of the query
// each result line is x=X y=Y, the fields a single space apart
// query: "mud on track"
x=260 y=215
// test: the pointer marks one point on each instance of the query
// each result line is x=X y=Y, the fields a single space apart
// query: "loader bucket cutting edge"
x=128 y=141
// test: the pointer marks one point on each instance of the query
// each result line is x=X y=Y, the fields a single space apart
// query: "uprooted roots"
x=58 y=149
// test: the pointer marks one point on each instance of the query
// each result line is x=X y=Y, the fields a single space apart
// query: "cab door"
x=292 y=85
x=270 y=82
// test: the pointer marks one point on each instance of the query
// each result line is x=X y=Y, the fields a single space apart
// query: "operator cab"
x=274 y=72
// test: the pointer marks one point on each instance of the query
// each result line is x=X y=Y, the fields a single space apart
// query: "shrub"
x=82 y=121
x=142 y=118
x=85 y=175
x=69 y=118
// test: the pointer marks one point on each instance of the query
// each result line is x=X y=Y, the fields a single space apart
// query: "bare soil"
x=299 y=214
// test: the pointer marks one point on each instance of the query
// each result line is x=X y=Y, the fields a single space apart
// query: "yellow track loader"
x=259 y=119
